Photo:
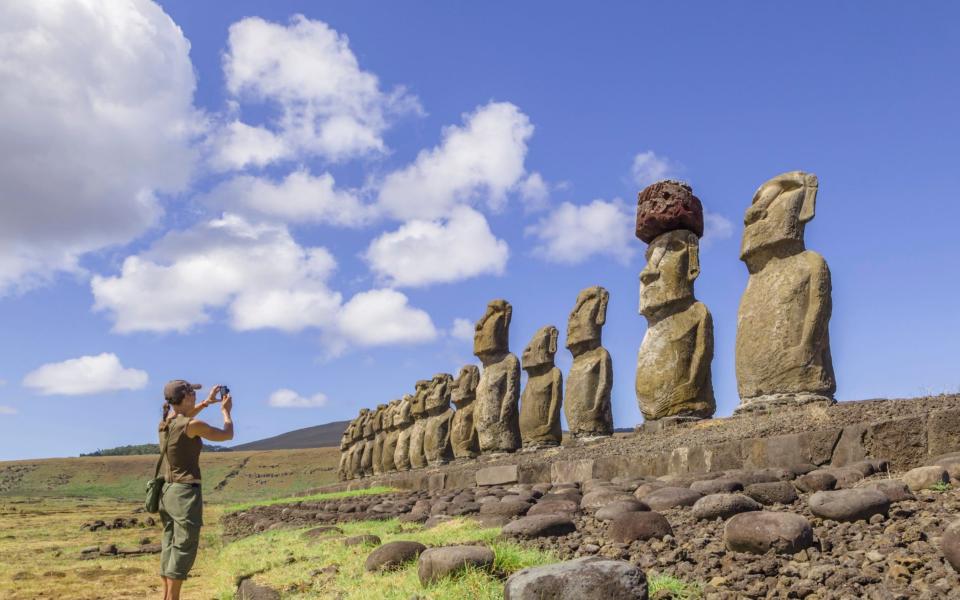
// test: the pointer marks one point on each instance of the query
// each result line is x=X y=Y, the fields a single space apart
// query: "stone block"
x=538 y=472
x=850 y=449
x=571 y=471
x=942 y=432
x=627 y=467
x=815 y=447
x=902 y=441
x=459 y=479
x=498 y=475
x=723 y=457
x=436 y=481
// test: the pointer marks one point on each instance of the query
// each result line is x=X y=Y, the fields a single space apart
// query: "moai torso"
x=366 y=458
x=673 y=365
x=543 y=394
x=498 y=392
x=463 y=431
x=418 y=431
x=587 y=401
x=404 y=423
x=343 y=469
x=437 y=438
x=356 y=450
x=388 y=458
x=783 y=341
x=379 y=437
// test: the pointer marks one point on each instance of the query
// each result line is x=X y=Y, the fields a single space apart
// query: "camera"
x=224 y=390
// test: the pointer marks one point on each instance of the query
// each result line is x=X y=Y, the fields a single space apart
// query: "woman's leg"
x=175 y=588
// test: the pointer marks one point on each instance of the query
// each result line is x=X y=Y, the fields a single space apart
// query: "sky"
x=314 y=202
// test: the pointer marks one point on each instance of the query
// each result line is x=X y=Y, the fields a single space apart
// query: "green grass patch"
x=679 y=589
x=380 y=489
x=941 y=486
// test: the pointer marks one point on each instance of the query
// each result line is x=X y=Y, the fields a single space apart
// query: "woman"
x=181 y=503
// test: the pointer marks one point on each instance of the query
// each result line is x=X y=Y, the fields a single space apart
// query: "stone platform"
x=907 y=432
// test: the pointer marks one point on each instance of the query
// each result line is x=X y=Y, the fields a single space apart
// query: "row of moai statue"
x=492 y=416
x=782 y=346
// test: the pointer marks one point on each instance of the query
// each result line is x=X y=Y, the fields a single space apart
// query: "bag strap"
x=163 y=449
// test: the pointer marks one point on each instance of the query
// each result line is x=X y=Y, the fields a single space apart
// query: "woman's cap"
x=176 y=389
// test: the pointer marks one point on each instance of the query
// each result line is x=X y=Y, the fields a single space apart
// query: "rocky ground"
x=881 y=538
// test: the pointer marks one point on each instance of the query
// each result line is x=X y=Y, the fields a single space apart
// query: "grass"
x=941 y=486
x=380 y=489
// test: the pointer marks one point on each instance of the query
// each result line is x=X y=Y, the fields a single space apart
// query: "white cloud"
x=97 y=114
x=571 y=234
x=481 y=160
x=382 y=317
x=421 y=253
x=648 y=168
x=85 y=375
x=7 y=410
x=286 y=398
x=463 y=329
x=327 y=105
x=299 y=197
x=534 y=192
x=716 y=227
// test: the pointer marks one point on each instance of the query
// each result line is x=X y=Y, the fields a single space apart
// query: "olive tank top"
x=182 y=457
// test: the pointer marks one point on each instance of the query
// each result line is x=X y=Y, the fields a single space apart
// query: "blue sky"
x=312 y=201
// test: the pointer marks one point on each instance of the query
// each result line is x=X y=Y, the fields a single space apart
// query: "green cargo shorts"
x=181 y=512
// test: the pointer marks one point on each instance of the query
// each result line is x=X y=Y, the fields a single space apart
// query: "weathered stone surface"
x=638 y=525
x=248 y=590
x=463 y=432
x=508 y=508
x=403 y=419
x=614 y=509
x=903 y=441
x=496 y=414
x=388 y=456
x=418 y=431
x=436 y=440
x=783 y=342
x=587 y=403
x=590 y=578
x=950 y=545
x=761 y=531
x=602 y=497
x=716 y=486
x=539 y=526
x=367 y=539
x=501 y=475
x=490 y=520
x=392 y=555
x=814 y=447
x=723 y=506
x=379 y=437
x=776 y=492
x=816 y=481
x=894 y=489
x=543 y=395
x=436 y=563
x=666 y=206
x=846 y=477
x=670 y=497
x=554 y=507
x=323 y=531
x=571 y=471
x=942 y=428
x=673 y=364
x=925 y=478
x=849 y=505
x=850 y=448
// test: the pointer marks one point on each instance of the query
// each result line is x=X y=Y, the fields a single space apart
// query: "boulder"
x=849 y=505
x=490 y=520
x=670 y=497
x=248 y=590
x=436 y=563
x=895 y=490
x=647 y=488
x=367 y=539
x=392 y=555
x=723 y=506
x=600 y=498
x=816 y=481
x=716 y=486
x=667 y=206
x=617 y=508
x=539 y=526
x=846 y=477
x=436 y=520
x=759 y=532
x=925 y=478
x=950 y=545
x=553 y=507
x=632 y=526
x=590 y=578
x=510 y=508
x=776 y=492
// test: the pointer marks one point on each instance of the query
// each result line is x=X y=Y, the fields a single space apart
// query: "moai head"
x=391 y=418
x=673 y=264
x=418 y=408
x=438 y=398
x=346 y=437
x=464 y=388
x=378 y=415
x=367 y=423
x=492 y=333
x=585 y=325
x=541 y=349
x=778 y=213
x=356 y=426
x=404 y=416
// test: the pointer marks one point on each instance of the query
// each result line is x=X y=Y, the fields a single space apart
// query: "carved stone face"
x=378 y=418
x=778 y=212
x=492 y=333
x=673 y=264
x=390 y=416
x=587 y=317
x=438 y=400
x=418 y=408
x=404 y=416
x=464 y=388
x=367 y=421
x=542 y=348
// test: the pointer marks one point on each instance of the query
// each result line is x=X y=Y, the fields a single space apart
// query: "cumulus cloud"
x=87 y=87
x=572 y=234
x=85 y=375
x=326 y=104
x=462 y=329
x=422 y=252
x=286 y=398
x=7 y=410
x=298 y=198
x=716 y=227
x=382 y=317
x=534 y=192
x=648 y=168
x=480 y=160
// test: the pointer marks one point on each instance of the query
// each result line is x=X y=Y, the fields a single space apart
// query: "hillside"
x=318 y=436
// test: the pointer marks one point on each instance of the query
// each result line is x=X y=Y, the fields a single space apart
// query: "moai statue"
x=418 y=431
x=379 y=437
x=343 y=469
x=366 y=460
x=498 y=392
x=403 y=421
x=463 y=432
x=543 y=394
x=673 y=366
x=436 y=443
x=356 y=450
x=387 y=464
x=587 y=404
x=783 y=342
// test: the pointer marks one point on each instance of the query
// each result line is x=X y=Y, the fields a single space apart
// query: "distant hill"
x=318 y=436
x=139 y=449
